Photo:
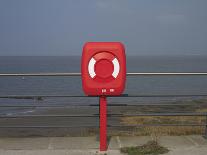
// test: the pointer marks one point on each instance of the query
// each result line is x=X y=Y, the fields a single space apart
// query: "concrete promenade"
x=178 y=145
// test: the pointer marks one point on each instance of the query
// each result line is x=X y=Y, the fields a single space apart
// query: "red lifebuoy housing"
x=103 y=68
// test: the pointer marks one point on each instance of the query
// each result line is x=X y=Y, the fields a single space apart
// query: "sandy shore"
x=82 y=121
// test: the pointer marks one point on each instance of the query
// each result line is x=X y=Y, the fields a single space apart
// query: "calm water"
x=72 y=86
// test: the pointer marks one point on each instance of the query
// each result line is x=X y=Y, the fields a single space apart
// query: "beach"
x=77 y=123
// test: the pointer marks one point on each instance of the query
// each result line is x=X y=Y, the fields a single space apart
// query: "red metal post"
x=103 y=123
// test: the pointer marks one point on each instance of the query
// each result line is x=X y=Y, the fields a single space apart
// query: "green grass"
x=150 y=148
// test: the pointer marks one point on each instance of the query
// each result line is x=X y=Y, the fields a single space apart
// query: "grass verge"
x=165 y=130
x=150 y=148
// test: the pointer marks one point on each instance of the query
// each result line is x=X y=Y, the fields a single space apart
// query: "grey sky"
x=60 y=27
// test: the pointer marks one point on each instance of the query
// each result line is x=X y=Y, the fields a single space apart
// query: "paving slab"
x=74 y=143
x=133 y=141
x=36 y=152
x=24 y=143
x=198 y=140
x=188 y=151
x=176 y=142
x=178 y=145
x=58 y=152
x=113 y=143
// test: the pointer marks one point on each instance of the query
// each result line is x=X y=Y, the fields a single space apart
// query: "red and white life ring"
x=101 y=57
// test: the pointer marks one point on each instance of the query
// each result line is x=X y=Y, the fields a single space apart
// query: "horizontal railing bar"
x=124 y=95
x=94 y=105
x=96 y=126
x=46 y=106
x=143 y=125
x=38 y=106
x=128 y=74
x=40 y=96
x=24 y=116
x=40 y=74
x=109 y=115
x=155 y=104
x=168 y=73
x=165 y=114
x=39 y=126
x=171 y=95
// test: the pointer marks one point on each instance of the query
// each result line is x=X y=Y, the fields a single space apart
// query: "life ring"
x=103 y=65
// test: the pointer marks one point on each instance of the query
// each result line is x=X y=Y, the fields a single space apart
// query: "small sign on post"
x=103 y=70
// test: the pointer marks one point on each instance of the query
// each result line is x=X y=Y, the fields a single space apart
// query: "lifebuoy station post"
x=103 y=71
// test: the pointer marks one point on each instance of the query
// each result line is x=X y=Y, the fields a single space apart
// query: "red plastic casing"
x=106 y=74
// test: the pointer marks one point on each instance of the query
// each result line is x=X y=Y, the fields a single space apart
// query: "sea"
x=136 y=85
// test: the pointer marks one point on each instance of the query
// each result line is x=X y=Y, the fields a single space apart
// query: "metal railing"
x=79 y=74
x=97 y=115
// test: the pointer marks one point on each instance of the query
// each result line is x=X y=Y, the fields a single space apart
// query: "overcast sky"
x=60 y=27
